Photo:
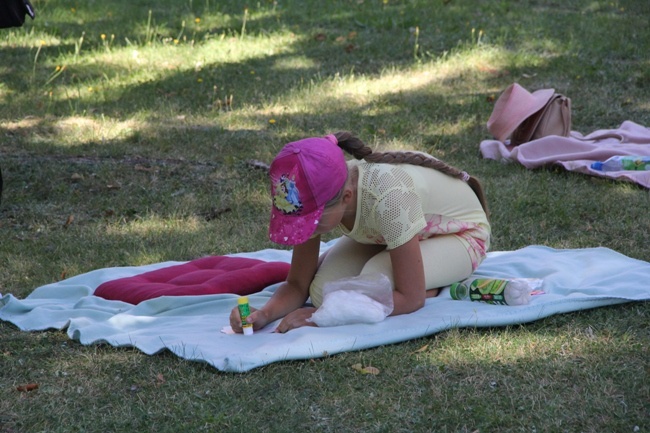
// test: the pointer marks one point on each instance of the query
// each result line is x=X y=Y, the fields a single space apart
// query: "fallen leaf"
x=366 y=370
x=370 y=370
x=320 y=37
x=76 y=177
x=140 y=167
x=28 y=387
x=69 y=221
x=488 y=69
x=422 y=349
x=254 y=163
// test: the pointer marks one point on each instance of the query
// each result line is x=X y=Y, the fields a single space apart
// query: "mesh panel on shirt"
x=390 y=204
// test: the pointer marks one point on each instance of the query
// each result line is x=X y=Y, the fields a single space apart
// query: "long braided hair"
x=357 y=148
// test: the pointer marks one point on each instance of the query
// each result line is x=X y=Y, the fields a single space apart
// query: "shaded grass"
x=509 y=379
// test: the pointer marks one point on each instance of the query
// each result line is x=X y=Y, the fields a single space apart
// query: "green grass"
x=132 y=148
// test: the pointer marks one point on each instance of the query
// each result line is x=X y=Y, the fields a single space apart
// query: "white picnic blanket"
x=190 y=326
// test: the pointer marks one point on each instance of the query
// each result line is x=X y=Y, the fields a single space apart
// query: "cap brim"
x=293 y=229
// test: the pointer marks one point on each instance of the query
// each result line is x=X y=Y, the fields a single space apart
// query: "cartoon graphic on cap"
x=287 y=196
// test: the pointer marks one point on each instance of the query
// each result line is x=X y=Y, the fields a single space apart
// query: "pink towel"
x=577 y=152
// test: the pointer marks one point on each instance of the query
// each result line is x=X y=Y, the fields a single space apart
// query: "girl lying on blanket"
x=406 y=215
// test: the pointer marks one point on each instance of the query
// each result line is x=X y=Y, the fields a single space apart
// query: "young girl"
x=407 y=215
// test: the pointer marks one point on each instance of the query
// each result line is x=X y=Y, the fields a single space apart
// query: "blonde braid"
x=360 y=150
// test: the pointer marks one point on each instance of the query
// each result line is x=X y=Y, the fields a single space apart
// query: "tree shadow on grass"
x=359 y=40
x=169 y=156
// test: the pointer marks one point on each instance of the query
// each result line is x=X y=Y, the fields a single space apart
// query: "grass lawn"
x=126 y=131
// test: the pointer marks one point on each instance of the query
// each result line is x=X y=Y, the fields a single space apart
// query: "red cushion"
x=205 y=276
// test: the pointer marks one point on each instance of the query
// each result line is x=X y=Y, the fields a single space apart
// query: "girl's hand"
x=289 y=296
x=296 y=319
x=257 y=317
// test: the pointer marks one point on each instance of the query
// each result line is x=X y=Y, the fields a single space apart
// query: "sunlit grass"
x=154 y=226
x=349 y=91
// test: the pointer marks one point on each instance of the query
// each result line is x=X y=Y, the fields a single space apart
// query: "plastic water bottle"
x=620 y=163
x=493 y=291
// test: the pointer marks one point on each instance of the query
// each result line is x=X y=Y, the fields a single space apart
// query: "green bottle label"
x=635 y=163
x=244 y=312
x=488 y=290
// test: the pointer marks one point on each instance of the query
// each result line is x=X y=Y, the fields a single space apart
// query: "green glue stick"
x=244 y=312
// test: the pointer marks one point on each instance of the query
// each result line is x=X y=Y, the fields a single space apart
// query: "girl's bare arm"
x=291 y=294
x=408 y=274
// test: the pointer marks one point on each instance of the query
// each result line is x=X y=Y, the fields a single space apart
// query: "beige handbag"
x=553 y=119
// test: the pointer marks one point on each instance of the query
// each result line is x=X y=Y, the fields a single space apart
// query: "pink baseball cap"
x=305 y=175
